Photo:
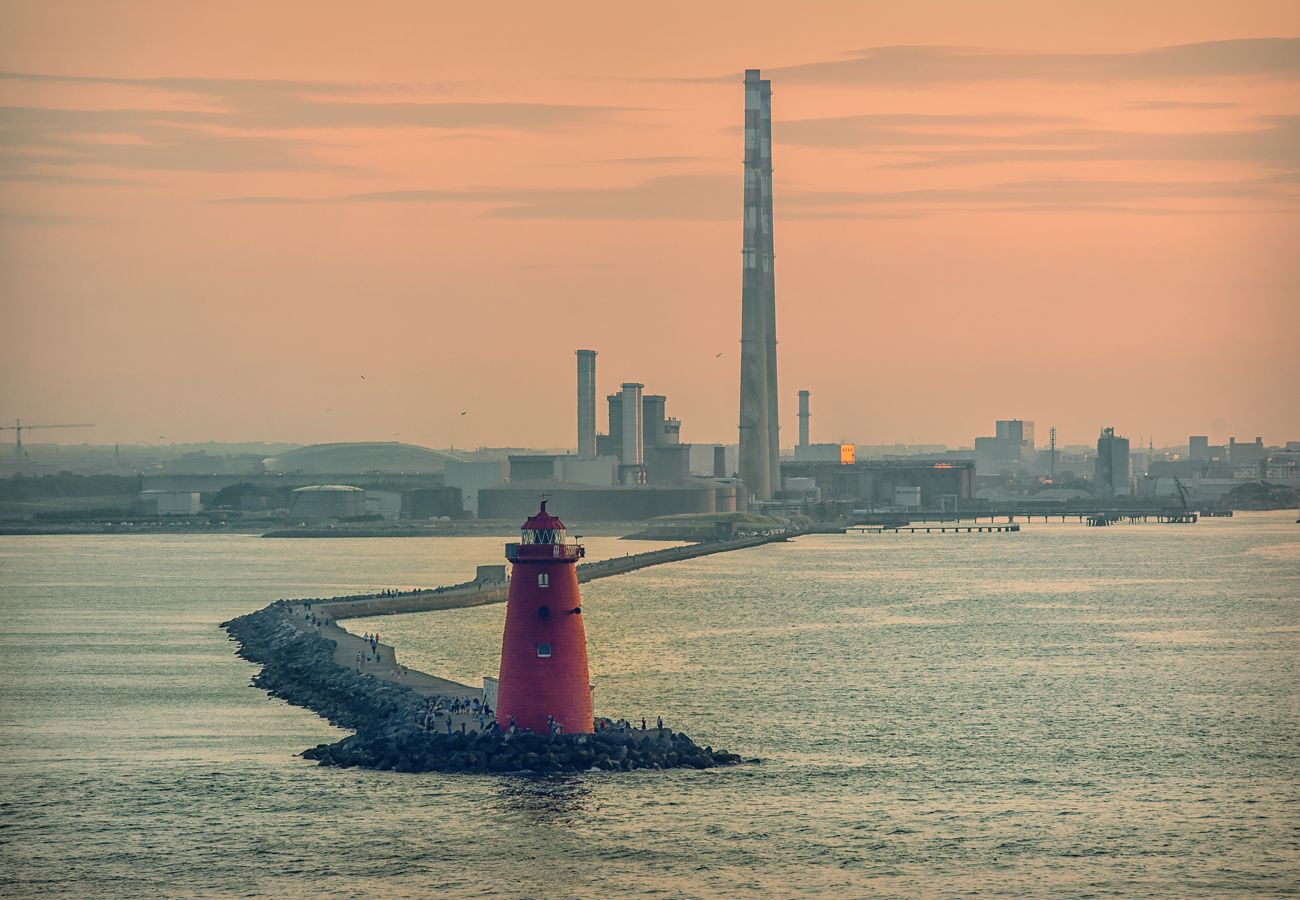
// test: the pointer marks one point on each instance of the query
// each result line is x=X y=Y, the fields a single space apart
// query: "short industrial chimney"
x=586 y=404
x=544 y=677
x=803 y=418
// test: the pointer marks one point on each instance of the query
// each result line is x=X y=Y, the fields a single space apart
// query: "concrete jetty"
x=476 y=593
x=347 y=646
x=388 y=711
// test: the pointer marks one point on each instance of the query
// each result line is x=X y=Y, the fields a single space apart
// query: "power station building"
x=639 y=469
x=933 y=484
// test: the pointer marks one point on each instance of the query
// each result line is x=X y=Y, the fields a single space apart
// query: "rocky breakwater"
x=298 y=667
x=403 y=748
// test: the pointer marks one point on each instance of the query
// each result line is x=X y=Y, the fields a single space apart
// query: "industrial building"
x=760 y=461
x=637 y=422
x=615 y=503
x=157 y=502
x=1112 y=471
x=1008 y=450
x=637 y=469
x=432 y=503
x=933 y=484
x=1241 y=453
x=317 y=502
x=471 y=476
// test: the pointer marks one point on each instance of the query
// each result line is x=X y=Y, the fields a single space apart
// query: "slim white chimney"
x=586 y=404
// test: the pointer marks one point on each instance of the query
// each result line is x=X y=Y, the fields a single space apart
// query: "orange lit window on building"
x=848 y=453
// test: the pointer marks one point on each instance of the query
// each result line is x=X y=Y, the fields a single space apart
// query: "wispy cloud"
x=910 y=129
x=715 y=198
x=1160 y=105
x=1275 y=143
x=652 y=160
x=905 y=66
x=933 y=141
x=24 y=218
x=235 y=125
x=678 y=197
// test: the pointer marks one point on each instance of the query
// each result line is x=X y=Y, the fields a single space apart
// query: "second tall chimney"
x=586 y=404
x=803 y=418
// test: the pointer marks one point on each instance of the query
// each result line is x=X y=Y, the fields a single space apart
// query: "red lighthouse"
x=544 y=649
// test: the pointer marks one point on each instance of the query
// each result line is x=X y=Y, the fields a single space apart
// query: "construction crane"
x=1182 y=492
x=18 y=428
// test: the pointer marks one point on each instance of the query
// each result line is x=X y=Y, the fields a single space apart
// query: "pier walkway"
x=475 y=593
x=1028 y=514
x=348 y=645
x=937 y=529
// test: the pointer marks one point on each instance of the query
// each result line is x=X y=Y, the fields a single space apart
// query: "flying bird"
x=464 y=411
x=719 y=356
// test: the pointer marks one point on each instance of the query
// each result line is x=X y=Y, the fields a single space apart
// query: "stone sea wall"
x=298 y=667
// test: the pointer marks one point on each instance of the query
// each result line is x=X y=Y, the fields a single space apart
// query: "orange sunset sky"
x=216 y=218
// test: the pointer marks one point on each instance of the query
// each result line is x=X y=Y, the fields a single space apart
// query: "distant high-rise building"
x=1112 y=474
x=1198 y=448
x=1010 y=447
x=1016 y=432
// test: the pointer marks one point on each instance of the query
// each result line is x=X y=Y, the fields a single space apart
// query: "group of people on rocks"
x=623 y=725
x=433 y=709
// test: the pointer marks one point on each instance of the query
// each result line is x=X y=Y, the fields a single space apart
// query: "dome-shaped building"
x=385 y=457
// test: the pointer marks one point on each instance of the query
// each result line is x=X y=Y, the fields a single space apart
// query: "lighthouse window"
x=543 y=580
x=544 y=650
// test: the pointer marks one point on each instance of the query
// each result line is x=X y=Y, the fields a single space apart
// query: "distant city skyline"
x=367 y=226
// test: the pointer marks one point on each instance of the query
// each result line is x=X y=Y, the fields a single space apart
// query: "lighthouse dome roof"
x=543 y=521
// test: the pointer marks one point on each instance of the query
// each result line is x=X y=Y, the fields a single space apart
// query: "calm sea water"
x=1064 y=711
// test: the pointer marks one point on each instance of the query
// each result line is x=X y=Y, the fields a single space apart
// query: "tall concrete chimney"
x=632 y=467
x=768 y=267
x=759 y=437
x=586 y=404
x=803 y=418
